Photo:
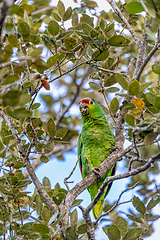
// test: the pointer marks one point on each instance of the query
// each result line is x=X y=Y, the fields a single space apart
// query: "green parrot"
x=94 y=144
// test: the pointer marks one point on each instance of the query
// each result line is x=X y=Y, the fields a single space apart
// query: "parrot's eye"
x=91 y=102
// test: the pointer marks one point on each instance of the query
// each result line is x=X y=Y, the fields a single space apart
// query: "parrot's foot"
x=96 y=171
x=113 y=150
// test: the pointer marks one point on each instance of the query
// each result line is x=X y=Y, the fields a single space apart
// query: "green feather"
x=94 y=144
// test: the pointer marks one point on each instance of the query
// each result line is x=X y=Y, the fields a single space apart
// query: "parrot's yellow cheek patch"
x=84 y=111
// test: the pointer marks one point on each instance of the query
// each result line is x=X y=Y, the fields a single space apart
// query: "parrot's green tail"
x=97 y=210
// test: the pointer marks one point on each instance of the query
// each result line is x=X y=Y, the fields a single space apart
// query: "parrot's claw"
x=96 y=171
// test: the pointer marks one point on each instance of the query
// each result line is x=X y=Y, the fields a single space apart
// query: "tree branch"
x=150 y=54
x=117 y=202
x=5 y=6
x=141 y=53
x=124 y=20
x=42 y=192
x=90 y=230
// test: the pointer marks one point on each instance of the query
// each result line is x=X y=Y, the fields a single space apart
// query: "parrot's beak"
x=83 y=108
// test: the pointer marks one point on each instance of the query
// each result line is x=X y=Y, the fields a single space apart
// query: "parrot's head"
x=90 y=108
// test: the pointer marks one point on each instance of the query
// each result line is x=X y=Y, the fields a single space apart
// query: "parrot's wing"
x=79 y=151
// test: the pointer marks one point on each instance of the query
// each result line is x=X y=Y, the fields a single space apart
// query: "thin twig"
x=117 y=202
x=78 y=88
x=65 y=180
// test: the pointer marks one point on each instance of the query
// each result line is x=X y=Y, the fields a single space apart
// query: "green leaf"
x=134 y=219
x=76 y=202
x=51 y=127
x=87 y=29
x=122 y=81
x=35 y=106
x=94 y=86
x=139 y=205
x=67 y=14
x=71 y=233
x=44 y=159
x=122 y=225
x=36 y=122
x=58 y=220
x=87 y=19
x=24 y=30
x=82 y=229
x=10 y=79
x=21 y=113
x=101 y=57
x=133 y=234
x=102 y=24
x=111 y=90
x=134 y=87
x=27 y=84
x=149 y=138
x=114 y=105
x=56 y=16
x=5 y=135
x=98 y=40
x=19 y=165
x=63 y=35
x=61 y=133
x=39 y=205
x=3 y=154
x=49 y=147
x=75 y=18
x=112 y=232
x=61 y=8
x=130 y=119
x=152 y=203
x=45 y=214
x=157 y=102
x=24 y=99
x=46 y=184
x=35 y=39
x=150 y=97
x=53 y=28
x=156 y=68
x=150 y=37
x=40 y=228
x=118 y=41
x=74 y=219
x=70 y=42
x=11 y=98
x=106 y=111
x=144 y=86
x=134 y=7
x=53 y=60
x=109 y=81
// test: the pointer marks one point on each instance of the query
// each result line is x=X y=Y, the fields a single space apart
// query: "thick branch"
x=141 y=53
x=148 y=57
x=90 y=230
x=42 y=192
x=5 y=5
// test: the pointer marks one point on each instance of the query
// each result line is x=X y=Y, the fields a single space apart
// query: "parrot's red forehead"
x=85 y=101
